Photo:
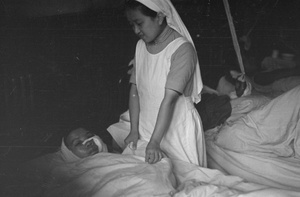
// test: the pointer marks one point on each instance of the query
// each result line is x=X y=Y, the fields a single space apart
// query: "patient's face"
x=76 y=138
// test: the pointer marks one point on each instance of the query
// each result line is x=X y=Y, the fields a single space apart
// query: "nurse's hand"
x=153 y=153
x=132 y=138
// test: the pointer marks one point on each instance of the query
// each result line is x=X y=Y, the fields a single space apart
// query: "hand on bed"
x=153 y=153
x=132 y=139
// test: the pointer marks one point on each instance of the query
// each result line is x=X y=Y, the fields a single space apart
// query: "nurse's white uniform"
x=184 y=139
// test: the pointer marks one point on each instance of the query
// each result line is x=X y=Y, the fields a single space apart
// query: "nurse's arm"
x=134 y=110
x=164 y=116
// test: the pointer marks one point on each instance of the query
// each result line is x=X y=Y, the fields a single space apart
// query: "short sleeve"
x=183 y=64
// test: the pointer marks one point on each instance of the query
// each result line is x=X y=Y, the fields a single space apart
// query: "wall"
x=78 y=61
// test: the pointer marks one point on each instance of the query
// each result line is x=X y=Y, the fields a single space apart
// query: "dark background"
x=65 y=65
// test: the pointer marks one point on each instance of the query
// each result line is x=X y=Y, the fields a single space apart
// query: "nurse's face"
x=147 y=28
x=75 y=140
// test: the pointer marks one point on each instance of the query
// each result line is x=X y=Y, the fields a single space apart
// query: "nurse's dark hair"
x=135 y=5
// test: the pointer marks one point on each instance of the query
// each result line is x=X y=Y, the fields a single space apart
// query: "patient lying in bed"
x=83 y=167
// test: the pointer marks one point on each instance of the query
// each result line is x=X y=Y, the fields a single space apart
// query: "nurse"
x=165 y=82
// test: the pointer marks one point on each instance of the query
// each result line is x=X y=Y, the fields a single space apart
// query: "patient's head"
x=82 y=143
x=234 y=84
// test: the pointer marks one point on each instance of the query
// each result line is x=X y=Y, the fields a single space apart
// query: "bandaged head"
x=88 y=147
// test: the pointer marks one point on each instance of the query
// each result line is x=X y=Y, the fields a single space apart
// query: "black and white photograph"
x=147 y=98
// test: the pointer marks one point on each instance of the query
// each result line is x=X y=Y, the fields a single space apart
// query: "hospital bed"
x=110 y=174
x=243 y=160
x=264 y=154
x=262 y=145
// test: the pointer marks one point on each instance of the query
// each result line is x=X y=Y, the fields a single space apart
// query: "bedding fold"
x=271 y=130
x=109 y=174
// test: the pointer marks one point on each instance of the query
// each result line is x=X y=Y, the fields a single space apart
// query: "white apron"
x=184 y=139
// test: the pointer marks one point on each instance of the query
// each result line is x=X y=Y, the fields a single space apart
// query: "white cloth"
x=262 y=146
x=66 y=154
x=114 y=175
x=184 y=138
x=98 y=141
x=271 y=130
x=120 y=130
x=279 y=172
x=175 y=22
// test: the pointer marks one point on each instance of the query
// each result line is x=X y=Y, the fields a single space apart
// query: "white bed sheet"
x=279 y=172
x=262 y=146
x=107 y=174
x=120 y=130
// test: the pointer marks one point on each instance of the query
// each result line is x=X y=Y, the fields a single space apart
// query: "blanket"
x=262 y=146
x=269 y=134
x=271 y=130
x=108 y=174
